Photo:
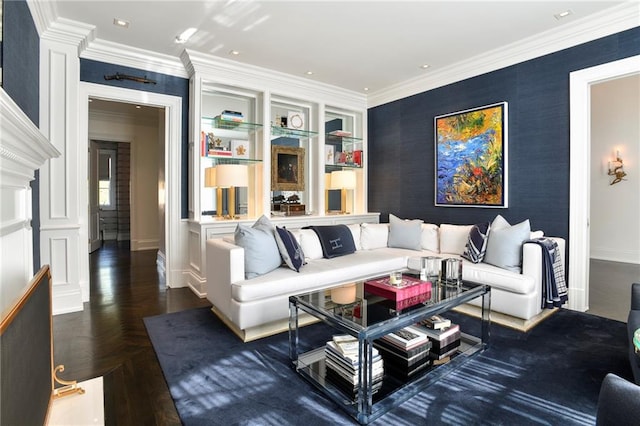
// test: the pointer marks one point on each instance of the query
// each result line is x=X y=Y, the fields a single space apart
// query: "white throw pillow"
x=536 y=234
x=355 y=231
x=504 y=248
x=374 y=235
x=405 y=233
x=429 y=239
x=310 y=243
x=453 y=238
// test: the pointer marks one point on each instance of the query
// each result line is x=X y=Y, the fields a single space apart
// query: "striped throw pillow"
x=477 y=242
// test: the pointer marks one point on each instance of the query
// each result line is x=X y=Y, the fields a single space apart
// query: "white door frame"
x=172 y=163
x=580 y=83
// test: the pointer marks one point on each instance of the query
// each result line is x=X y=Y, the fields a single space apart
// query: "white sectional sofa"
x=258 y=306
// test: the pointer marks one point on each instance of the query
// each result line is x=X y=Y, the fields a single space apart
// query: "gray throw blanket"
x=554 y=288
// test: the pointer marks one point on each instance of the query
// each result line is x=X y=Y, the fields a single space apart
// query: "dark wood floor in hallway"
x=108 y=338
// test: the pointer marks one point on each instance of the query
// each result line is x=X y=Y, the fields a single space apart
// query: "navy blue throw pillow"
x=290 y=250
x=477 y=242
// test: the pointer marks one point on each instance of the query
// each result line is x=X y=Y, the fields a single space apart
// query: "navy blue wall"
x=21 y=81
x=94 y=72
x=401 y=139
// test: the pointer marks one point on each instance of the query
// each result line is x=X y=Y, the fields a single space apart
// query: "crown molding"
x=610 y=21
x=235 y=73
x=23 y=148
x=121 y=54
x=43 y=14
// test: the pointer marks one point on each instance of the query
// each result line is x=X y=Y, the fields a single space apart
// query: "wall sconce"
x=343 y=180
x=210 y=181
x=232 y=176
x=615 y=169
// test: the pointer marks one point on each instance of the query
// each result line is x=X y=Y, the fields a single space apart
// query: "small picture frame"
x=295 y=120
x=240 y=148
x=329 y=154
x=287 y=168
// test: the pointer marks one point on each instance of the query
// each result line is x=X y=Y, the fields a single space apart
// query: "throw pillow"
x=261 y=254
x=290 y=250
x=405 y=233
x=504 y=248
x=355 y=231
x=477 y=242
x=430 y=238
x=453 y=238
x=374 y=235
x=310 y=244
x=336 y=240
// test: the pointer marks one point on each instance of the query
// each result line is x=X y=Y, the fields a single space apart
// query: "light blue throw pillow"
x=261 y=254
x=504 y=248
x=405 y=233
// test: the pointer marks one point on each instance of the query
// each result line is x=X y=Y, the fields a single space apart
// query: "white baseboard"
x=66 y=298
x=153 y=244
x=197 y=285
x=614 y=255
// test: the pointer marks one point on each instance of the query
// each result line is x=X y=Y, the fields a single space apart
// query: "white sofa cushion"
x=318 y=274
x=504 y=248
x=310 y=243
x=430 y=238
x=453 y=238
x=405 y=233
x=355 y=231
x=374 y=235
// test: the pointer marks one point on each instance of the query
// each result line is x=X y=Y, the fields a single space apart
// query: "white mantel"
x=23 y=150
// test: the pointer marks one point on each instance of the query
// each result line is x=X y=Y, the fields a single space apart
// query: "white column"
x=63 y=181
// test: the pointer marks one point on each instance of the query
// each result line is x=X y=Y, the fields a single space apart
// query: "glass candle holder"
x=395 y=278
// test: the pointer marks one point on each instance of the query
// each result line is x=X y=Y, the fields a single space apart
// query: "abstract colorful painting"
x=471 y=161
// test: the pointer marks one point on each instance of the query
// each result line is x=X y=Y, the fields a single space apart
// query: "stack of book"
x=405 y=352
x=233 y=116
x=443 y=335
x=343 y=364
x=411 y=291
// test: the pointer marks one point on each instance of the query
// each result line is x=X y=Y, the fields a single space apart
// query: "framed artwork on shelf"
x=471 y=157
x=287 y=168
x=329 y=154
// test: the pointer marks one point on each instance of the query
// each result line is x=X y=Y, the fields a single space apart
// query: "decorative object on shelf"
x=232 y=176
x=471 y=157
x=240 y=148
x=343 y=180
x=344 y=294
x=329 y=154
x=287 y=168
x=615 y=169
x=210 y=182
x=293 y=209
x=295 y=120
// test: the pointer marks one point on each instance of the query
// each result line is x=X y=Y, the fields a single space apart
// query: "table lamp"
x=343 y=180
x=210 y=182
x=232 y=176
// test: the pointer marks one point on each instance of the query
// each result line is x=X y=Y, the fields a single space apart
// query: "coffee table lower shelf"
x=394 y=391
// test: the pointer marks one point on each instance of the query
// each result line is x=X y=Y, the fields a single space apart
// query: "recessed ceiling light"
x=138 y=107
x=366 y=89
x=309 y=73
x=424 y=66
x=186 y=35
x=120 y=23
x=234 y=52
x=564 y=14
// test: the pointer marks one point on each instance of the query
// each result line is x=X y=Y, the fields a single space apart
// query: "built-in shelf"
x=292 y=133
x=237 y=126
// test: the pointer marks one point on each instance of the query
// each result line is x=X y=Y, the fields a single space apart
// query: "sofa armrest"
x=225 y=266
x=635 y=297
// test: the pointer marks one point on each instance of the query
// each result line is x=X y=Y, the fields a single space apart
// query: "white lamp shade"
x=228 y=175
x=343 y=179
x=210 y=177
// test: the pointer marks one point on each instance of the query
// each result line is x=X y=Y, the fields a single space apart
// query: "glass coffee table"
x=365 y=320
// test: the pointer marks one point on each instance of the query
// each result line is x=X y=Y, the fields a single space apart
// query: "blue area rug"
x=548 y=376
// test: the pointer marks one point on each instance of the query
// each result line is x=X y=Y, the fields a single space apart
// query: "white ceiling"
x=350 y=44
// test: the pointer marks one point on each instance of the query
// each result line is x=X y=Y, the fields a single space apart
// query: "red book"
x=409 y=288
x=411 y=301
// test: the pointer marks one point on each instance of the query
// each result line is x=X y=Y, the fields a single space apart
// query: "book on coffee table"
x=408 y=288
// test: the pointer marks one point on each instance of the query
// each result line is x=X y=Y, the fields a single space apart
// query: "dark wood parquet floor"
x=108 y=337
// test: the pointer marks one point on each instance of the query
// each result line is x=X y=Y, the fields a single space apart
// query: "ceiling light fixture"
x=186 y=35
x=564 y=14
x=234 y=52
x=120 y=23
x=309 y=73
x=424 y=66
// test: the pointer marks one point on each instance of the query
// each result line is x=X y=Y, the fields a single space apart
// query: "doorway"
x=580 y=83
x=167 y=186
